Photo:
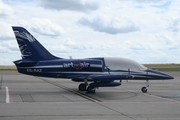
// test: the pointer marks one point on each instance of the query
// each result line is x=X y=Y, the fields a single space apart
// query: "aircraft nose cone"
x=159 y=75
x=166 y=76
x=170 y=77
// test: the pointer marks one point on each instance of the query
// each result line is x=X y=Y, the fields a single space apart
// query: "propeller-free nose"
x=153 y=74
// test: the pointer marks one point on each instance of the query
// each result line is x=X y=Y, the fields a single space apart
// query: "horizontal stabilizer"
x=24 y=63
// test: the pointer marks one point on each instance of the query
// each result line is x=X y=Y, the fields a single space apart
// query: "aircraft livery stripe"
x=96 y=65
x=61 y=66
x=48 y=66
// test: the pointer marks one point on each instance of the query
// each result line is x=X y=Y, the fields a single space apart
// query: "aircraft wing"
x=106 y=77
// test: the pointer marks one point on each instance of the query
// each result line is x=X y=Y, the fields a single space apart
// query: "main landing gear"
x=82 y=87
x=145 y=89
x=85 y=87
x=90 y=89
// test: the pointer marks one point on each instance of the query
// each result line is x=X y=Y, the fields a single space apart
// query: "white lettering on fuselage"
x=77 y=66
x=34 y=70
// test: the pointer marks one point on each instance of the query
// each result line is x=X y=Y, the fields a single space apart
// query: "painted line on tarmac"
x=8 y=95
x=70 y=90
x=162 y=98
x=155 y=96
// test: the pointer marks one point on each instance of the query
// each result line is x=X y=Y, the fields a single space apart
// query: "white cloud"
x=6 y=31
x=72 y=5
x=110 y=25
x=157 y=56
x=5 y=10
x=174 y=24
x=70 y=42
x=9 y=46
x=42 y=26
x=149 y=1
x=167 y=41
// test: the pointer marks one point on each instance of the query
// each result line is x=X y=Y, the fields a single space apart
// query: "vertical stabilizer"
x=30 y=48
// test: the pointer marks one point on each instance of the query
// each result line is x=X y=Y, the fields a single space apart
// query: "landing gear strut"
x=145 y=89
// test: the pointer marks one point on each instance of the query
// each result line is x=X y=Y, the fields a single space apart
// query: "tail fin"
x=30 y=48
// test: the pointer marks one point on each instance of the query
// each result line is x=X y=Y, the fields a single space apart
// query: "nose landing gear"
x=145 y=89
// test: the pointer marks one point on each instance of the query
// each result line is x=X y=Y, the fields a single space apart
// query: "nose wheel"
x=145 y=89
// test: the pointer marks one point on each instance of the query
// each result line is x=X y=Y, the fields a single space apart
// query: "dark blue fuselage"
x=81 y=69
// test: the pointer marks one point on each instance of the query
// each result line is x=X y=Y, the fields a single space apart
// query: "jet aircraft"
x=91 y=72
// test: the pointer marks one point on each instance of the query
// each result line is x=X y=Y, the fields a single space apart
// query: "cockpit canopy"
x=114 y=63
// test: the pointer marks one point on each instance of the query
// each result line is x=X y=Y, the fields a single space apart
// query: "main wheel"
x=144 y=89
x=91 y=90
x=82 y=87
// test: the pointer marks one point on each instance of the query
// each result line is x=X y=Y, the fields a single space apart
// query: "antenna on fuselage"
x=128 y=71
x=108 y=69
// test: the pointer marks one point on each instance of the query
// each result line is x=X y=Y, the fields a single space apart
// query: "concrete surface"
x=34 y=98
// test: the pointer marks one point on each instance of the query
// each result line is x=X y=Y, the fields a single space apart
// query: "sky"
x=147 y=31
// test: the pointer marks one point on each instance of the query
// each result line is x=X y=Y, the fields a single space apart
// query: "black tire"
x=144 y=89
x=82 y=87
x=91 y=90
